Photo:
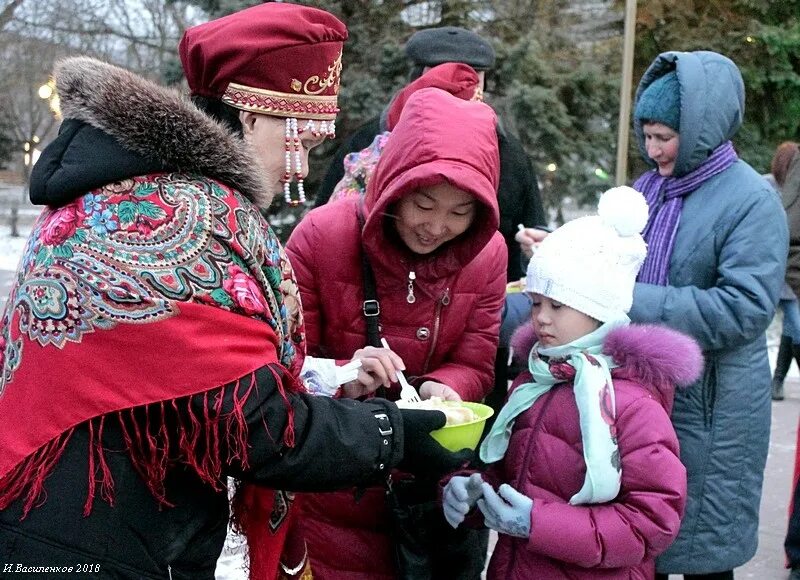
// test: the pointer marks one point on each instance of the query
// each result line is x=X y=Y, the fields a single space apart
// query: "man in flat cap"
x=434 y=46
x=153 y=338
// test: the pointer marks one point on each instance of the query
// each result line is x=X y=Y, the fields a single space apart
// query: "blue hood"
x=712 y=103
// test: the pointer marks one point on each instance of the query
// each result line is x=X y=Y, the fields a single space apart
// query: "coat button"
x=423 y=333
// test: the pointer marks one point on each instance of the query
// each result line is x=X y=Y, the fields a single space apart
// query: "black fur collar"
x=158 y=123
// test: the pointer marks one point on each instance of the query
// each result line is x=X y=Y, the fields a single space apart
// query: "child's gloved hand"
x=460 y=496
x=508 y=513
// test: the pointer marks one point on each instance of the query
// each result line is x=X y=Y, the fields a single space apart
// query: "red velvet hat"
x=278 y=59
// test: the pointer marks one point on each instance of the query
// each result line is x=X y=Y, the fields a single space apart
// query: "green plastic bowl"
x=465 y=435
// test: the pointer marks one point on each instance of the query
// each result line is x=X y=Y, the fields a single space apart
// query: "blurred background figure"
x=785 y=177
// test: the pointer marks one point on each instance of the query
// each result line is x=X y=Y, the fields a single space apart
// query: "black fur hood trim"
x=157 y=123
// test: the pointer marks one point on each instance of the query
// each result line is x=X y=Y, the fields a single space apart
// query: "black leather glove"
x=422 y=454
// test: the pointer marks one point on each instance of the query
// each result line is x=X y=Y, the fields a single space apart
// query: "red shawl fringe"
x=194 y=441
x=252 y=507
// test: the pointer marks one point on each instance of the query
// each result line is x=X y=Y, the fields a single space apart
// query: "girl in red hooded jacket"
x=430 y=234
x=585 y=479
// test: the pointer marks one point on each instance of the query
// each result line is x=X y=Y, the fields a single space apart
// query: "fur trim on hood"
x=656 y=356
x=158 y=122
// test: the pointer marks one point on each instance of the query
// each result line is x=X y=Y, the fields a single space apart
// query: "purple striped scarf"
x=664 y=196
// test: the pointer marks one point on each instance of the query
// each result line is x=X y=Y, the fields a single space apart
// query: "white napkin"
x=322 y=376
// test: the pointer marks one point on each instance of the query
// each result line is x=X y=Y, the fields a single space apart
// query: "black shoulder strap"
x=371 y=307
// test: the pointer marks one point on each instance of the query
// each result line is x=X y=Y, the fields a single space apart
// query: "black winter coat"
x=138 y=539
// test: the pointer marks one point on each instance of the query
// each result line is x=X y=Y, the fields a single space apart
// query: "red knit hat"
x=275 y=58
x=460 y=80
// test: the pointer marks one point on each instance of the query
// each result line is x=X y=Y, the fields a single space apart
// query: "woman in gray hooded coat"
x=717 y=245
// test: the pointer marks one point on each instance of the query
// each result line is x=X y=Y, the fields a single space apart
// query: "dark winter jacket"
x=137 y=538
x=518 y=192
x=790 y=192
x=621 y=538
x=725 y=276
x=449 y=334
x=129 y=533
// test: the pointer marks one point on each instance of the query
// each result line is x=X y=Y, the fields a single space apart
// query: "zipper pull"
x=410 y=298
x=446 y=297
x=169 y=571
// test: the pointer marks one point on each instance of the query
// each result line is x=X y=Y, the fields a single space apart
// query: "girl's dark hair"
x=219 y=111
x=784 y=154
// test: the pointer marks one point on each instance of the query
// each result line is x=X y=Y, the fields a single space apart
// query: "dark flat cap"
x=435 y=46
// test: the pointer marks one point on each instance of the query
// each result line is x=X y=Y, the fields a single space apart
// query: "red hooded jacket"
x=449 y=334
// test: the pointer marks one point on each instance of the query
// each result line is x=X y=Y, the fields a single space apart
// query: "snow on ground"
x=11 y=248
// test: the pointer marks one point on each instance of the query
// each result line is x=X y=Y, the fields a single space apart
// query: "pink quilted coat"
x=618 y=539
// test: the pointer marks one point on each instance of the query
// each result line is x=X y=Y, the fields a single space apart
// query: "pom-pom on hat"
x=661 y=102
x=434 y=46
x=460 y=80
x=590 y=264
x=274 y=58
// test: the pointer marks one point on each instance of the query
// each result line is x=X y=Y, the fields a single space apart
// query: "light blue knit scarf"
x=594 y=395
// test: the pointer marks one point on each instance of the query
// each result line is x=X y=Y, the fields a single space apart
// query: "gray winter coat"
x=726 y=273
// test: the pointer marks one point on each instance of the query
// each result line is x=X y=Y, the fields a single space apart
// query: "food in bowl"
x=465 y=421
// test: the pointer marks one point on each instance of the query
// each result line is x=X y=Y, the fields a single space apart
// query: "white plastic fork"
x=407 y=392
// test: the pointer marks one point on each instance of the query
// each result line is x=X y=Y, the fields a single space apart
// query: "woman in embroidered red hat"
x=427 y=227
x=274 y=78
x=153 y=337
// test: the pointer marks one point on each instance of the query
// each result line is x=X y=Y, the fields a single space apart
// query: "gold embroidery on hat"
x=314 y=85
x=318 y=107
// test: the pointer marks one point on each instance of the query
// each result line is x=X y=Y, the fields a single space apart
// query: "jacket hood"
x=460 y=80
x=657 y=357
x=439 y=138
x=712 y=103
x=158 y=125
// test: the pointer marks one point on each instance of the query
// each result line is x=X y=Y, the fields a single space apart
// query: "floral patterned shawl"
x=139 y=295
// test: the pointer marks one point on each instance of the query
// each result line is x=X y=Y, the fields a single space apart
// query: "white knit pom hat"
x=591 y=263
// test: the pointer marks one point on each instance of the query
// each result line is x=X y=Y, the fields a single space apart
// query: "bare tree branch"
x=8 y=12
x=104 y=29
